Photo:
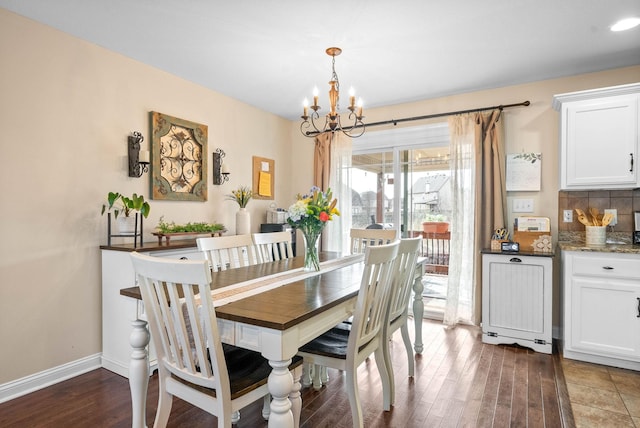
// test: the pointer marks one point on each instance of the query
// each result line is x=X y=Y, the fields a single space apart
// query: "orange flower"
x=323 y=216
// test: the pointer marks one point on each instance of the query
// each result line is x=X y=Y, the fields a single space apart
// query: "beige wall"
x=66 y=108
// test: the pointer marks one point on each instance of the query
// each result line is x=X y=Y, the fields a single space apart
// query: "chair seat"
x=248 y=370
x=333 y=343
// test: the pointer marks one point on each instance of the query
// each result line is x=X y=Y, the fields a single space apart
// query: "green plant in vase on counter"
x=198 y=227
x=118 y=203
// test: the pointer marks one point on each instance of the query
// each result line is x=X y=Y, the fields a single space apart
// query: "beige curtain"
x=332 y=169
x=491 y=191
x=322 y=160
x=479 y=207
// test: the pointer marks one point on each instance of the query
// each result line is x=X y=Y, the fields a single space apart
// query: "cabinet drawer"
x=607 y=265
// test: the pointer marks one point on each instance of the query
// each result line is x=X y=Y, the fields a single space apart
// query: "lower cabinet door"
x=604 y=317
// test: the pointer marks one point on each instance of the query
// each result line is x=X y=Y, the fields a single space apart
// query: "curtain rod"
x=430 y=116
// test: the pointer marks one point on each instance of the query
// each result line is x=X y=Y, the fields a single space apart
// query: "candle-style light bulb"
x=352 y=97
x=359 y=107
x=315 y=96
x=144 y=156
x=305 y=106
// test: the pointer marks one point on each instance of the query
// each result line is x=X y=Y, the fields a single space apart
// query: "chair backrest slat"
x=273 y=246
x=373 y=297
x=403 y=273
x=363 y=238
x=229 y=251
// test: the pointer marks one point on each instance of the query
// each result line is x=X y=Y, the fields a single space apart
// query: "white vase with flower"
x=242 y=195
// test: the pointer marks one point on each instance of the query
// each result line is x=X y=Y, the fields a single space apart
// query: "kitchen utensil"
x=584 y=220
x=582 y=217
x=595 y=215
x=606 y=219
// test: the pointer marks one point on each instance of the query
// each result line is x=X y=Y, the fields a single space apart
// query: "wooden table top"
x=289 y=304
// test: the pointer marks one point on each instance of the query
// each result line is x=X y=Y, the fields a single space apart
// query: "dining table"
x=272 y=308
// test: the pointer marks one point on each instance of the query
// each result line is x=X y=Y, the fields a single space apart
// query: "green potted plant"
x=121 y=204
x=435 y=223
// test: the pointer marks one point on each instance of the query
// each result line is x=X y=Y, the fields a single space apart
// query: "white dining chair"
x=273 y=246
x=231 y=251
x=360 y=240
x=193 y=363
x=346 y=349
x=363 y=238
x=398 y=307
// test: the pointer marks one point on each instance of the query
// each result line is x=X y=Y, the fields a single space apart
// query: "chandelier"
x=309 y=126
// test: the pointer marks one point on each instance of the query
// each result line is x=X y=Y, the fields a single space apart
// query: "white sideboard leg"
x=418 y=310
x=139 y=372
x=280 y=386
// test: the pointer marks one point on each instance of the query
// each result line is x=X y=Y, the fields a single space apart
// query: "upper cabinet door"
x=599 y=138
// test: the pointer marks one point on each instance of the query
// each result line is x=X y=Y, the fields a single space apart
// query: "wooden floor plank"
x=459 y=382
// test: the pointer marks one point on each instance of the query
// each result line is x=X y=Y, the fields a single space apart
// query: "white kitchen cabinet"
x=119 y=311
x=517 y=299
x=599 y=138
x=601 y=294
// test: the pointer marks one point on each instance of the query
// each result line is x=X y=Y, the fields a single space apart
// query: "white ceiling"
x=271 y=53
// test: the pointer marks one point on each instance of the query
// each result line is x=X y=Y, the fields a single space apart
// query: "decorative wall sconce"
x=220 y=171
x=138 y=160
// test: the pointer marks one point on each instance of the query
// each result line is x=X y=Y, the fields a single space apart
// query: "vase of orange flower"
x=310 y=213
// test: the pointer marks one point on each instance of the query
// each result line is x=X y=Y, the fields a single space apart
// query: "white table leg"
x=418 y=309
x=139 y=372
x=280 y=386
x=295 y=397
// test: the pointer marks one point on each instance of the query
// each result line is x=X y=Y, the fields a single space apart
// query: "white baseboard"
x=34 y=382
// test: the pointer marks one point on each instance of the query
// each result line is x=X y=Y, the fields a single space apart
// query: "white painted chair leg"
x=388 y=364
x=324 y=375
x=307 y=371
x=354 y=398
x=266 y=407
x=317 y=381
x=384 y=378
x=404 y=330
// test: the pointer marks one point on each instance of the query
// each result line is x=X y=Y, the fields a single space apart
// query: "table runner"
x=241 y=290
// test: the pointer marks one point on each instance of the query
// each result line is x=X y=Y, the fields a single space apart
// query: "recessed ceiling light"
x=625 y=24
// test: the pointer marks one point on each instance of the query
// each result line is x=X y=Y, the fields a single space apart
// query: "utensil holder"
x=596 y=236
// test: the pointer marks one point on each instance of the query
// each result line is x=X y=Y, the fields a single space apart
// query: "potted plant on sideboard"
x=124 y=207
x=435 y=223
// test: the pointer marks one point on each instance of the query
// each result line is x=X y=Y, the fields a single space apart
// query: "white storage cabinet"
x=517 y=300
x=119 y=311
x=599 y=137
x=601 y=294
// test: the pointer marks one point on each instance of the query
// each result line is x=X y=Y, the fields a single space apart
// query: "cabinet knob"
x=631 y=154
x=607 y=268
x=638 y=316
x=184 y=258
x=515 y=260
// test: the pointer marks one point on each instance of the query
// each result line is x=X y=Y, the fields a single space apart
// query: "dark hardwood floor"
x=459 y=382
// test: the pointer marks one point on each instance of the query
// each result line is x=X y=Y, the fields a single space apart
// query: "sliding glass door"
x=401 y=181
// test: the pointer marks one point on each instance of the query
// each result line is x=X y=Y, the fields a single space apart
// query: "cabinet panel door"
x=601 y=142
x=604 y=317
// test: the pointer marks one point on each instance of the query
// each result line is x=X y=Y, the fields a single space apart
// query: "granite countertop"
x=617 y=242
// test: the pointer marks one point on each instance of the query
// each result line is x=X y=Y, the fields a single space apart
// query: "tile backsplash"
x=625 y=201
